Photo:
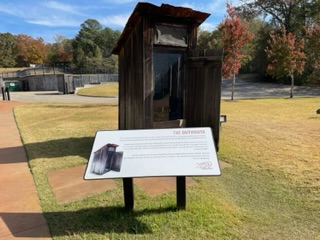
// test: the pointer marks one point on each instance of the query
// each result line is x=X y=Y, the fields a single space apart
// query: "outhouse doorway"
x=168 y=77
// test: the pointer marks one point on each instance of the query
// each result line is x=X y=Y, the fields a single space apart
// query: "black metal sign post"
x=128 y=193
x=181 y=192
x=8 y=94
x=3 y=94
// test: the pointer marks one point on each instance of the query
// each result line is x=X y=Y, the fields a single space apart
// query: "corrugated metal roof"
x=165 y=10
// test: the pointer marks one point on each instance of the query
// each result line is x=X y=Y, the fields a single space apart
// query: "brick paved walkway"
x=20 y=212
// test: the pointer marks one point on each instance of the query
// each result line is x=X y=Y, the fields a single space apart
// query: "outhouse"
x=163 y=80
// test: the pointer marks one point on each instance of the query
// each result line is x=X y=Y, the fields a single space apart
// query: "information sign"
x=153 y=152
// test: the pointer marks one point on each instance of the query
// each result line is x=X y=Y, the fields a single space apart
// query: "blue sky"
x=48 y=18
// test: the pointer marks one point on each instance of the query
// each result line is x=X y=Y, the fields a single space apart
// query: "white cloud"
x=54 y=22
x=52 y=13
x=217 y=7
x=208 y=26
x=47 y=13
x=61 y=7
x=115 y=20
x=11 y=10
x=204 y=7
x=189 y=5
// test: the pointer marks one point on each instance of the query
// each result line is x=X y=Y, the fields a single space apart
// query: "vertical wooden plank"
x=148 y=35
x=131 y=96
x=193 y=33
x=122 y=93
x=203 y=90
x=125 y=114
x=134 y=74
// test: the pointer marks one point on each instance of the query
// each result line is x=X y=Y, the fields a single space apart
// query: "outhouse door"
x=187 y=85
x=203 y=90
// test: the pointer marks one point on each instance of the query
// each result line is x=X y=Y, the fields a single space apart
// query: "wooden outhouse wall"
x=203 y=90
x=135 y=78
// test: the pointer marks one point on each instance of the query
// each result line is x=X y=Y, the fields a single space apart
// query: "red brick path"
x=20 y=212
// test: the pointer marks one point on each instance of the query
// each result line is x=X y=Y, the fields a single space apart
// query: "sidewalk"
x=20 y=212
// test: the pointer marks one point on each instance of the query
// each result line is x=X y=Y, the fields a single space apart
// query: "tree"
x=7 y=50
x=30 y=50
x=93 y=45
x=208 y=40
x=234 y=36
x=258 y=58
x=285 y=55
x=312 y=47
x=60 y=51
x=85 y=43
x=293 y=14
x=106 y=40
x=91 y=25
x=296 y=16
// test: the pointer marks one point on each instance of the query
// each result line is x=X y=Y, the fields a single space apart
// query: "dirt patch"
x=155 y=186
x=68 y=184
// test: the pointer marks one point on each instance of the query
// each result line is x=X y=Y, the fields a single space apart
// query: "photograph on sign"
x=106 y=159
x=154 y=152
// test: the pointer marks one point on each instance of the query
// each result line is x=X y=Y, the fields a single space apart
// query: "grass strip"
x=103 y=90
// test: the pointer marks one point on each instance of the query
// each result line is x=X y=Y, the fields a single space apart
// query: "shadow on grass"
x=86 y=221
x=60 y=148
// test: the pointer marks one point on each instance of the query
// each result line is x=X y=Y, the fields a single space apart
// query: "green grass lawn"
x=3 y=70
x=104 y=90
x=272 y=190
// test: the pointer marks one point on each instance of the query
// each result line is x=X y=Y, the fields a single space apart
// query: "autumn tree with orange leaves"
x=234 y=36
x=30 y=50
x=60 y=51
x=285 y=55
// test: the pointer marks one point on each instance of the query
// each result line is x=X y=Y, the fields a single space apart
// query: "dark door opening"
x=168 y=70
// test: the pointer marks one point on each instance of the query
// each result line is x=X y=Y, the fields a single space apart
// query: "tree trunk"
x=292 y=85
x=233 y=86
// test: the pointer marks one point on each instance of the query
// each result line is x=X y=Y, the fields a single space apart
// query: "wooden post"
x=128 y=193
x=181 y=192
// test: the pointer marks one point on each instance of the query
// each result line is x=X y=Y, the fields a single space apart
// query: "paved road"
x=243 y=90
